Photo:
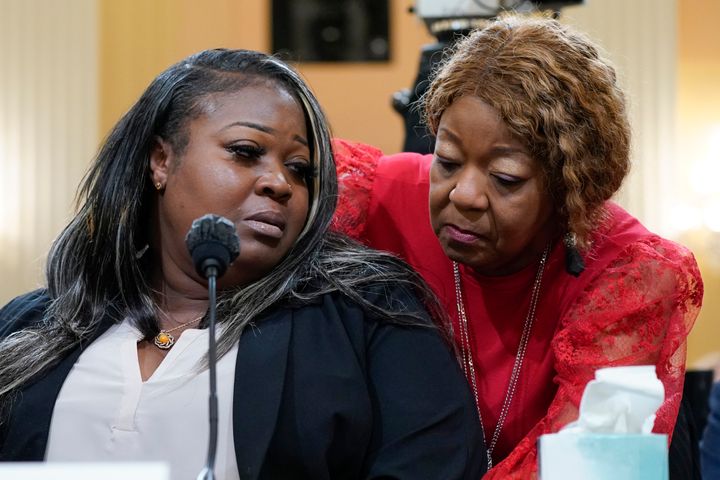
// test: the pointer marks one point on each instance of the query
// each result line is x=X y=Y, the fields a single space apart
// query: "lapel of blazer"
x=29 y=424
x=259 y=382
x=31 y=413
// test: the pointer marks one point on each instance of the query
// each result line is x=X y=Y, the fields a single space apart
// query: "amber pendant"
x=164 y=340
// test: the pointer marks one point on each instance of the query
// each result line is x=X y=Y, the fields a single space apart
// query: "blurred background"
x=70 y=68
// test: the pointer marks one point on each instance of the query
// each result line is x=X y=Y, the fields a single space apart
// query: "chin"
x=456 y=256
x=474 y=260
x=458 y=252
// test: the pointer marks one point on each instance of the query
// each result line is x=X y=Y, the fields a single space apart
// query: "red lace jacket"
x=634 y=304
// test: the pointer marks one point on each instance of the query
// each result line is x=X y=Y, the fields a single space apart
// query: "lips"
x=267 y=223
x=461 y=235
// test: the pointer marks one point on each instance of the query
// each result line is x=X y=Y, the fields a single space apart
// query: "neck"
x=530 y=259
x=178 y=306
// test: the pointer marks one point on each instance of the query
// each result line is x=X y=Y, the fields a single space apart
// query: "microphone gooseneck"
x=213 y=244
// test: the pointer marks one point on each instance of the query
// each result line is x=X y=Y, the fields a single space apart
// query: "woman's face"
x=488 y=204
x=246 y=159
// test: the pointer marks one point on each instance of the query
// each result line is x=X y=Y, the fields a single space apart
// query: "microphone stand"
x=208 y=472
x=213 y=244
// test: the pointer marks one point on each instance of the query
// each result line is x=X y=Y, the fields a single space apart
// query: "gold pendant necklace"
x=466 y=350
x=164 y=340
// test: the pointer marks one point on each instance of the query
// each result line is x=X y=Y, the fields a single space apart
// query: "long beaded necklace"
x=466 y=351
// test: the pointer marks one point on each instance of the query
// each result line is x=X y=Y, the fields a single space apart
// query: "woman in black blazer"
x=333 y=367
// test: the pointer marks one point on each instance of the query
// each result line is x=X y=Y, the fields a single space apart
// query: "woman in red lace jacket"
x=510 y=222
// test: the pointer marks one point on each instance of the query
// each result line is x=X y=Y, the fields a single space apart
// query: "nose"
x=273 y=184
x=471 y=191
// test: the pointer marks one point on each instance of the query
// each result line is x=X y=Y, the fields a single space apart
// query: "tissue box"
x=593 y=456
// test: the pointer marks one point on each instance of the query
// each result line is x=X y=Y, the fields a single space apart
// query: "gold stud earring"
x=158 y=186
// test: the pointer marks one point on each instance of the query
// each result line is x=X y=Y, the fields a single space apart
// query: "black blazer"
x=322 y=391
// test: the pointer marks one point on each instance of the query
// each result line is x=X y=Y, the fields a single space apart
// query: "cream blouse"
x=105 y=412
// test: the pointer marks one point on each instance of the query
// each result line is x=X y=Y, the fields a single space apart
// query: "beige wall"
x=627 y=31
x=48 y=127
x=139 y=38
x=698 y=111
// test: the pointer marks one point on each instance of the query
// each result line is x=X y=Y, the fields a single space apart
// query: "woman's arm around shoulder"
x=356 y=165
x=377 y=191
x=638 y=311
x=425 y=420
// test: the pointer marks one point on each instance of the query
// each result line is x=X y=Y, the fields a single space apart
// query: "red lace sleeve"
x=356 y=164
x=639 y=311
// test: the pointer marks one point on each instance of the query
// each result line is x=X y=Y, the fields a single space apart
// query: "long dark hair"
x=94 y=268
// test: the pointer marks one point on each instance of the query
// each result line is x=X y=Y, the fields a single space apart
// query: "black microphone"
x=213 y=244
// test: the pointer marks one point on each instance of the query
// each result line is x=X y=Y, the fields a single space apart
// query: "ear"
x=160 y=163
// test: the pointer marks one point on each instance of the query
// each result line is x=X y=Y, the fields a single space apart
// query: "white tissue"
x=619 y=400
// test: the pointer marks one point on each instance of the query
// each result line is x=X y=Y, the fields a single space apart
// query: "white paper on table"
x=84 y=471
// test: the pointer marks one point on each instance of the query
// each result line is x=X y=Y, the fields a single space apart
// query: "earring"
x=158 y=185
x=139 y=254
x=574 y=263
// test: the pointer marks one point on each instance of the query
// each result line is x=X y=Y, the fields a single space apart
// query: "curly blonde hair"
x=558 y=95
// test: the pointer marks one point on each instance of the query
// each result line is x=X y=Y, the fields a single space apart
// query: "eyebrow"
x=450 y=134
x=262 y=128
x=500 y=150
x=510 y=150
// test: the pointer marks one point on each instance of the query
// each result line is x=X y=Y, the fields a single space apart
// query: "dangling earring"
x=574 y=263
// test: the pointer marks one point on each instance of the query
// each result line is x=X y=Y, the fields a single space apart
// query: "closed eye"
x=302 y=170
x=244 y=151
x=445 y=165
x=508 y=180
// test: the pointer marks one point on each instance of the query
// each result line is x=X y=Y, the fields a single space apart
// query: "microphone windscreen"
x=212 y=241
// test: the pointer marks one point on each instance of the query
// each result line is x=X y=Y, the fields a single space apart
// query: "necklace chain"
x=466 y=350
x=181 y=325
x=164 y=340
